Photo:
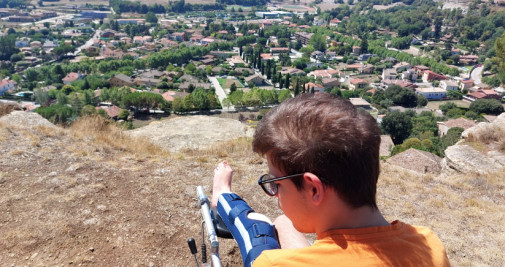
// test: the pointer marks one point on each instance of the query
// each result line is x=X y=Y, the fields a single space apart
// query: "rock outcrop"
x=417 y=161
x=192 y=132
x=481 y=150
x=25 y=119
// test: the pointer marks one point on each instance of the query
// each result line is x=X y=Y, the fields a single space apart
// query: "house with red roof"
x=466 y=84
x=355 y=66
x=112 y=111
x=172 y=95
x=292 y=71
x=483 y=94
x=334 y=22
x=357 y=83
x=7 y=85
x=429 y=76
x=317 y=87
x=327 y=73
x=72 y=77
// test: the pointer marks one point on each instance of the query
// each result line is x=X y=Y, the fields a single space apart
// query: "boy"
x=323 y=160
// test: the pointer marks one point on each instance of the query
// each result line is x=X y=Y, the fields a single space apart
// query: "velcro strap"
x=231 y=197
x=261 y=229
x=237 y=210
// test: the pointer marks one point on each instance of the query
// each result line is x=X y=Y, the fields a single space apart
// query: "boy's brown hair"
x=325 y=135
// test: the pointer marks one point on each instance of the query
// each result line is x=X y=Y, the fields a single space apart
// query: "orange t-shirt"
x=398 y=244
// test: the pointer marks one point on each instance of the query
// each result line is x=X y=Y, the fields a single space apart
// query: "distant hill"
x=93 y=195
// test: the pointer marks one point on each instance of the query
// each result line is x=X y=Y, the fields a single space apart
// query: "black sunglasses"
x=266 y=182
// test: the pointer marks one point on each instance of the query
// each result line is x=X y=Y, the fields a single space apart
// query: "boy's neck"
x=345 y=217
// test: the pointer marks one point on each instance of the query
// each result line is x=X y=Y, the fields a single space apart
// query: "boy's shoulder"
x=399 y=244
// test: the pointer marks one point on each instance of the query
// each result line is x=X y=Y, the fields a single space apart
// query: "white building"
x=432 y=93
x=449 y=85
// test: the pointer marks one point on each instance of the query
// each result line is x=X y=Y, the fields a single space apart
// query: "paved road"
x=220 y=93
x=88 y=43
x=477 y=74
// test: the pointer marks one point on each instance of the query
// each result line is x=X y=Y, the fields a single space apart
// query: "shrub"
x=487 y=106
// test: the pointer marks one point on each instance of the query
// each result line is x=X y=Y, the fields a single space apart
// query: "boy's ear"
x=314 y=187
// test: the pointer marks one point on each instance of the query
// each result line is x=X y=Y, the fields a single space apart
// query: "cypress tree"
x=286 y=84
x=269 y=69
x=297 y=88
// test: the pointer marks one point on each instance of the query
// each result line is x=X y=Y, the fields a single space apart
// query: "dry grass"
x=3 y=132
x=45 y=131
x=489 y=134
x=104 y=133
x=224 y=149
x=7 y=108
x=465 y=210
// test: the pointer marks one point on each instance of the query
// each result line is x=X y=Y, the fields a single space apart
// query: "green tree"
x=42 y=97
x=190 y=68
x=16 y=78
x=144 y=100
x=57 y=73
x=487 y=106
x=177 y=106
x=401 y=96
x=446 y=107
x=7 y=46
x=398 y=125
x=283 y=95
x=151 y=17
x=200 y=99
x=424 y=125
x=61 y=98
x=451 y=138
x=187 y=103
x=421 y=101
x=226 y=103
x=471 y=115
x=63 y=49
x=31 y=75
x=88 y=110
x=57 y=113
x=499 y=59
x=454 y=94
x=454 y=113
x=233 y=88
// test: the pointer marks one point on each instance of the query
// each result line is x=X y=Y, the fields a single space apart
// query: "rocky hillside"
x=481 y=150
x=93 y=195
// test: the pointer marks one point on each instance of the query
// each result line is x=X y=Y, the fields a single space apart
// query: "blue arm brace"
x=252 y=236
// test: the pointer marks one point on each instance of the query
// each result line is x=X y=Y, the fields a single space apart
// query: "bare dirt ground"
x=90 y=195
